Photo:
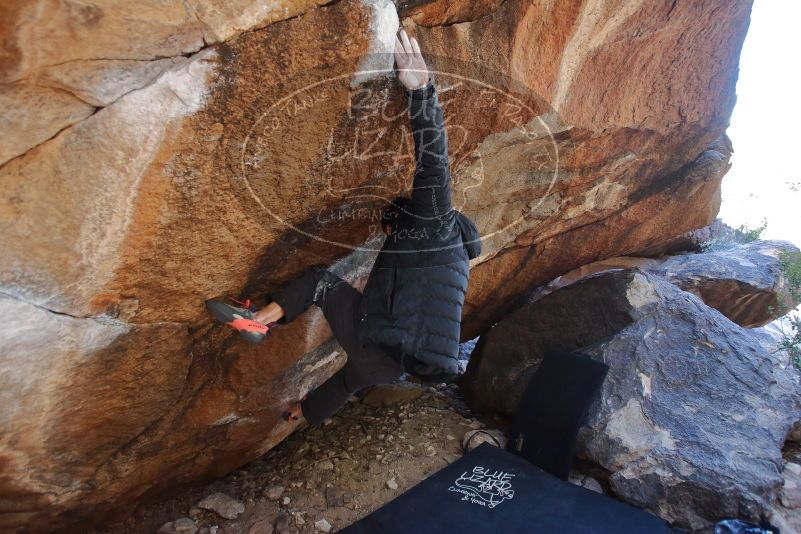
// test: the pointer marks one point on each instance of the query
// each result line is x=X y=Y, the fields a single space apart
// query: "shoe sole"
x=226 y=313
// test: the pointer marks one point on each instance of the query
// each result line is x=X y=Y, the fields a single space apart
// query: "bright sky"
x=766 y=126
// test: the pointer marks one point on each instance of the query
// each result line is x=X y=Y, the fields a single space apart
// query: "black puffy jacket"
x=412 y=303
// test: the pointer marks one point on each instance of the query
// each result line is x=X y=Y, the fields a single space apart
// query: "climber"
x=408 y=318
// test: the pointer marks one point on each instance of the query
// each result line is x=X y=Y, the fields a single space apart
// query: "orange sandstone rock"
x=206 y=148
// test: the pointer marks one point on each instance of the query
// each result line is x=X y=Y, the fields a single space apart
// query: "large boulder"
x=744 y=282
x=694 y=412
x=166 y=151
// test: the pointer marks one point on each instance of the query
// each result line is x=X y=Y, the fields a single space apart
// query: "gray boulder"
x=694 y=412
x=743 y=282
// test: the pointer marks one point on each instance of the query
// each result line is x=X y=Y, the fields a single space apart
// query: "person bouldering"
x=408 y=318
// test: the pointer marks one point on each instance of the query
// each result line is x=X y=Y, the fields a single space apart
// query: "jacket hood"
x=470 y=235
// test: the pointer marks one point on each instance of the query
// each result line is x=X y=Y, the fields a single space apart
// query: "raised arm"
x=431 y=189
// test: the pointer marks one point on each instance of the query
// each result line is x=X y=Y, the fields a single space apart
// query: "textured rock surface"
x=694 y=411
x=498 y=285
x=717 y=234
x=182 y=134
x=223 y=505
x=744 y=282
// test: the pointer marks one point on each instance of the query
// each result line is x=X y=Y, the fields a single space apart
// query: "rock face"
x=161 y=153
x=744 y=282
x=694 y=411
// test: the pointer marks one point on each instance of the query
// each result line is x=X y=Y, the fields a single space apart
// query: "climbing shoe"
x=240 y=319
x=295 y=412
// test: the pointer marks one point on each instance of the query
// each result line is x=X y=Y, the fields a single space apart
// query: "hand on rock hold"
x=412 y=70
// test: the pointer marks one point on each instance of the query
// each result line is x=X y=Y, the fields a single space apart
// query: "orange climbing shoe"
x=240 y=319
x=295 y=412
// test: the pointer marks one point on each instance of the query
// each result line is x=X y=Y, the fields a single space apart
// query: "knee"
x=326 y=281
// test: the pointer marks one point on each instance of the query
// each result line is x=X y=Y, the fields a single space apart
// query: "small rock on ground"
x=322 y=525
x=222 y=505
x=186 y=525
x=274 y=492
x=183 y=525
x=325 y=465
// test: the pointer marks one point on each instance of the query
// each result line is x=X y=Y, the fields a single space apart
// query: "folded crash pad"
x=554 y=407
x=493 y=490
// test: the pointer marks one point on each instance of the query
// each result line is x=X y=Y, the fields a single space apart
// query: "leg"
x=340 y=302
x=272 y=313
x=366 y=366
x=296 y=297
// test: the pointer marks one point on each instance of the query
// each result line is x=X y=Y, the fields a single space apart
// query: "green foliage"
x=791 y=267
x=791 y=335
x=731 y=237
x=791 y=340
x=749 y=235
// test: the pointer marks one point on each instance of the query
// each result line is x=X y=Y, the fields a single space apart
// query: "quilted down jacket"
x=412 y=303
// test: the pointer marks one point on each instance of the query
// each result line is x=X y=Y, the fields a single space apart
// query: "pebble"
x=185 y=524
x=213 y=529
x=274 y=492
x=299 y=518
x=593 y=485
x=322 y=525
x=334 y=497
x=392 y=484
x=325 y=465
x=223 y=505
x=285 y=501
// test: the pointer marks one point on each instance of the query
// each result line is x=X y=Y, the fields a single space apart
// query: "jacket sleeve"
x=431 y=189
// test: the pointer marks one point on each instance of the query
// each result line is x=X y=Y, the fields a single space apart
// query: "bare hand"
x=412 y=70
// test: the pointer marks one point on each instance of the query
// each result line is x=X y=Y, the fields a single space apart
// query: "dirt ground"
x=325 y=478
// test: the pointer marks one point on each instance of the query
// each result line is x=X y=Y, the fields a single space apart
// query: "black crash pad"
x=491 y=490
x=553 y=409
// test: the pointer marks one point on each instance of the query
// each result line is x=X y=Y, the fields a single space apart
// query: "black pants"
x=367 y=365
